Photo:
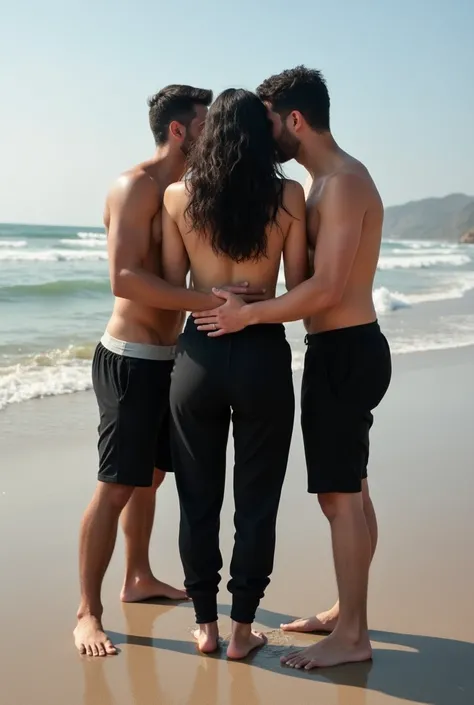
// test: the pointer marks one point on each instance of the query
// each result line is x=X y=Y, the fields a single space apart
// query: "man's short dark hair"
x=299 y=89
x=175 y=102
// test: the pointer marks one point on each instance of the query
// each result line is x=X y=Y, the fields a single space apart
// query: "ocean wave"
x=49 y=374
x=422 y=261
x=71 y=242
x=429 y=343
x=91 y=236
x=59 y=372
x=52 y=256
x=61 y=287
x=426 y=253
x=420 y=244
x=386 y=301
x=13 y=243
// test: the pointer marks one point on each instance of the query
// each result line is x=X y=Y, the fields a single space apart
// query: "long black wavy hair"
x=235 y=180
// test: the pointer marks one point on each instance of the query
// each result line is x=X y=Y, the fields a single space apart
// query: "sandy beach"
x=422 y=581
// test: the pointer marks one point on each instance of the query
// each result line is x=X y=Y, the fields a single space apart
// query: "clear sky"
x=75 y=75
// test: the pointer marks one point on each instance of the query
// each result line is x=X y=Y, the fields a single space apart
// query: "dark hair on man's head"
x=299 y=89
x=234 y=177
x=175 y=102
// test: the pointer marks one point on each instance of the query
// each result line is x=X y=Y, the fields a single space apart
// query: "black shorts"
x=134 y=428
x=346 y=375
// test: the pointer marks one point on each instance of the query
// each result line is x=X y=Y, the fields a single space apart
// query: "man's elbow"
x=333 y=296
x=119 y=283
x=330 y=294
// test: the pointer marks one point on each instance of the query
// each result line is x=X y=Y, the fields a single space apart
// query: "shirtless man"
x=132 y=367
x=347 y=365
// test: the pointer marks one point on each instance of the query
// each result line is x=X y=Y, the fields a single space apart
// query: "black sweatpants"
x=245 y=377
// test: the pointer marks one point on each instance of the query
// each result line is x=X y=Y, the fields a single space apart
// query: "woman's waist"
x=261 y=331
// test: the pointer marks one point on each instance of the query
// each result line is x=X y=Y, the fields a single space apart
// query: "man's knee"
x=115 y=495
x=334 y=504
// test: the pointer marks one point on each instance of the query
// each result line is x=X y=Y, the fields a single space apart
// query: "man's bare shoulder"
x=351 y=183
x=135 y=188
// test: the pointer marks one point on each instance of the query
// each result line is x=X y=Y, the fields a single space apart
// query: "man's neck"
x=167 y=166
x=320 y=154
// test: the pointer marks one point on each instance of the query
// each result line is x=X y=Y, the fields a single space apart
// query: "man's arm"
x=341 y=219
x=295 y=251
x=132 y=206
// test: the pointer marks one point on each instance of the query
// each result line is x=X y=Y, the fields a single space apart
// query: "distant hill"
x=447 y=218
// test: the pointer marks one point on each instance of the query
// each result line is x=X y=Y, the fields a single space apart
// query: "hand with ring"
x=231 y=317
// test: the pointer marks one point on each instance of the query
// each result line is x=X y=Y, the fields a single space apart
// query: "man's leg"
x=326 y=621
x=137 y=524
x=351 y=543
x=97 y=541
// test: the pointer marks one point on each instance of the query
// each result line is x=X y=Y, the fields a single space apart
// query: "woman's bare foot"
x=330 y=651
x=244 y=640
x=145 y=588
x=207 y=637
x=90 y=638
x=323 y=622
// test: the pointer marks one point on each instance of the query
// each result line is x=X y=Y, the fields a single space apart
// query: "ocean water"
x=55 y=301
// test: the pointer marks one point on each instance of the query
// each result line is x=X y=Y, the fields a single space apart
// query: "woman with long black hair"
x=230 y=221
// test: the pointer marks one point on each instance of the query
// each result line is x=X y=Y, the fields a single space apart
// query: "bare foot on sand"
x=146 y=588
x=331 y=651
x=90 y=638
x=243 y=641
x=323 y=622
x=207 y=637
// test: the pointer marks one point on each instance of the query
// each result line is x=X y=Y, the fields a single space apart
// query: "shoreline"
x=404 y=360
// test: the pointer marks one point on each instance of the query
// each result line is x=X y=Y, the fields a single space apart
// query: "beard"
x=187 y=145
x=287 y=146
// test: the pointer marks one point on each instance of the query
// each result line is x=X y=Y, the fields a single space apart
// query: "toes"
x=95 y=650
x=286 y=625
x=89 y=651
x=301 y=663
x=297 y=660
x=290 y=658
x=82 y=649
x=110 y=648
x=297 y=626
x=309 y=666
x=101 y=649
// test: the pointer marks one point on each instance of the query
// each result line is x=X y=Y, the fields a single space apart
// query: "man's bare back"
x=133 y=321
x=356 y=305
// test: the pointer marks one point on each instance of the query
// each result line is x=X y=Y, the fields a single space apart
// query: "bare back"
x=356 y=304
x=209 y=269
x=132 y=219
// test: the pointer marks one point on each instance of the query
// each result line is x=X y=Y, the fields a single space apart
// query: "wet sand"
x=422 y=582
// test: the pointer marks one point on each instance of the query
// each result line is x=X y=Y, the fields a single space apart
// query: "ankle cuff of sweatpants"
x=244 y=609
x=205 y=607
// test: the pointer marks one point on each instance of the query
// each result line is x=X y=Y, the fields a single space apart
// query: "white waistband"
x=142 y=351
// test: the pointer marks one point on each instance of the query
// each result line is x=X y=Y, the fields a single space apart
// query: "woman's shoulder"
x=176 y=195
x=293 y=194
x=292 y=187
